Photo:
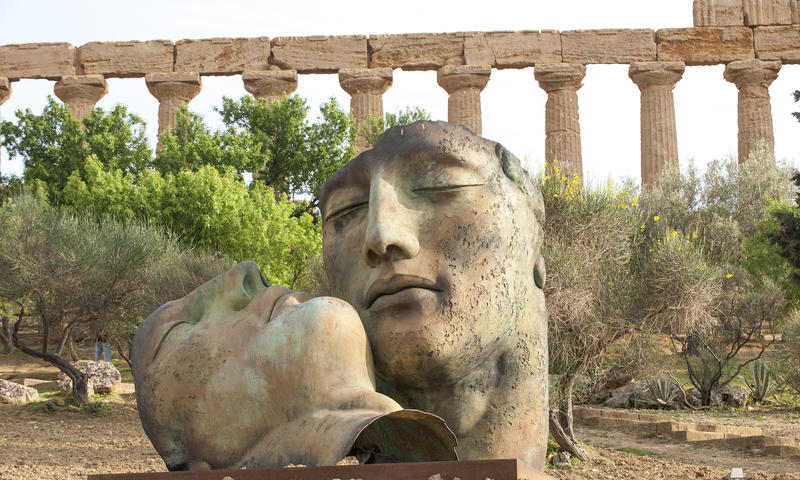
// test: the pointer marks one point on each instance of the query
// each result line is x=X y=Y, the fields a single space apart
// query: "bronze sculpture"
x=431 y=241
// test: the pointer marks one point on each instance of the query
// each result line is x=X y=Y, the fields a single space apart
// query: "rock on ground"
x=11 y=392
x=103 y=377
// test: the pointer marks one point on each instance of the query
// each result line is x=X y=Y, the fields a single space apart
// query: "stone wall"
x=756 y=36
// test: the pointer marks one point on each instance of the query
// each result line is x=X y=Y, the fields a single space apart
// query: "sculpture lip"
x=396 y=283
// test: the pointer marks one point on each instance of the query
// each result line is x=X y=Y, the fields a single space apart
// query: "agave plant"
x=762 y=387
x=663 y=392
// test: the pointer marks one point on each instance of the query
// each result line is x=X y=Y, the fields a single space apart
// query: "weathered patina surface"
x=431 y=242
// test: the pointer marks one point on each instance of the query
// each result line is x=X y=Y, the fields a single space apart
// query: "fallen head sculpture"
x=431 y=242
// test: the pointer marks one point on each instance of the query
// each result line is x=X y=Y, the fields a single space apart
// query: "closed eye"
x=345 y=211
x=445 y=188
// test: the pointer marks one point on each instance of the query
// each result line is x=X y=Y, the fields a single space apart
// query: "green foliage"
x=209 y=210
x=289 y=153
x=796 y=95
x=189 y=145
x=53 y=144
x=782 y=230
x=375 y=126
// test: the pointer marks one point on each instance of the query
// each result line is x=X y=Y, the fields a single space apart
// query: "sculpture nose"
x=391 y=228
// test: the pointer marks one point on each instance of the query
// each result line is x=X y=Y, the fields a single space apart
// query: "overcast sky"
x=513 y=104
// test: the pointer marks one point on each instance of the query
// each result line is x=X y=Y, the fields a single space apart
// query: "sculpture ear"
x=539 y=272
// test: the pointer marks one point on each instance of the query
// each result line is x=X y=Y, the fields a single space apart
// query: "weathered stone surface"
x=81 y=92
x=705 y=45
x=319 y=54
x=731 y=395
x=512 y=49
x=778 y=43
x=5 y=89
x=366 y=87
x=415 y=51
x=711 y=13
x=753 y=78
x=794 y=5
x=270 y=84
x=628 y=394
x=103 y=377
x=126 y=59
x=608 y=46
x=464 y=83
x=766 y=12
x=562 y=128
x=222 y=56
x=172 y=90
x=11 y=392
x=658 y=134
x=37 y=60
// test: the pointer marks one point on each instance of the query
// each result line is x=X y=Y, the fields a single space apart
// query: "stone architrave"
x=518 y=49
x=127 y=59
x=779 y=42
x=270 y=84
x=172 y=90
x=767 y=12
x=561 y=81
x=608 y=46
x=81 y=93
x=37 y=60
x=705 y=45
x=366 y=87
x=753 y=78
x=714 y=13
x=464 y=84
x=415 y=51
x=319 y=53
x=659 y=141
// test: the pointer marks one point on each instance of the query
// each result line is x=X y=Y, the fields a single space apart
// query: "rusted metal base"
x=466 y=470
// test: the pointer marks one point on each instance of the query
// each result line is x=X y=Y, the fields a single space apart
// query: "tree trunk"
x=5 y=335
x=561 y=430
x=123 y=356
x=45 y=335
x=80 y=380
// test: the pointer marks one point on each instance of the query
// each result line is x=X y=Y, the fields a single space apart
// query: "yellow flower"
x=729 y=275
x=674 y=233
x=655 y=219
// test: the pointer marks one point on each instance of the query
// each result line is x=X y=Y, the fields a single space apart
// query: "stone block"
x=221 y=56
x=319 y=54
x=126 y=59
x=695 y=436
x=650 y=418
x=619 y=413
x=780 y=441
x=37 y=60
x=608 y=46
x=11 y=392
x=416 y=51
x=778 y=43
x=512 y=49
x=794 y=5
x=705 y=45
x=40 y=385
x=782 y=450
x=716 y=13
x=767 y=12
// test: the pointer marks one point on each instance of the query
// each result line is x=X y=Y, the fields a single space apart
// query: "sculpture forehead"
x=447 y=141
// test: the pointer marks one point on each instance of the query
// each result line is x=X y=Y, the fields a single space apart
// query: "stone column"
x=561 y=81
x=270 y=84
x=81 y=92
x=753 y=78
x=172 y=90
x=5 y=92
x=659 y=141
x=366 y=87
x=464 y=84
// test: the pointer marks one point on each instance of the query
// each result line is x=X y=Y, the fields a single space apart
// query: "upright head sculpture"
x=433 y=236
x=431 y=241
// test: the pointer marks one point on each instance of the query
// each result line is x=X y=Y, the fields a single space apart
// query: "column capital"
x=5 y=89
x=373 y=81
x=81 y=88
x=648 y=74
x=168 y=86
x=270 y=84
x=752 y=72
x=559 y=76
x=453 y=78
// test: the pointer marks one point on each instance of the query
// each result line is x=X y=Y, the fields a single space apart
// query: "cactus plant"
x=762 y=387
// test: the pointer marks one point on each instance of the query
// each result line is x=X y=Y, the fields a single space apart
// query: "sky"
x=513 y=103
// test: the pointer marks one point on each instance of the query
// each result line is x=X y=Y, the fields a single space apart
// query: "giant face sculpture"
x=432 y=236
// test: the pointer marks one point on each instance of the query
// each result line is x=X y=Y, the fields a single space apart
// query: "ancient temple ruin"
x=752 y=38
